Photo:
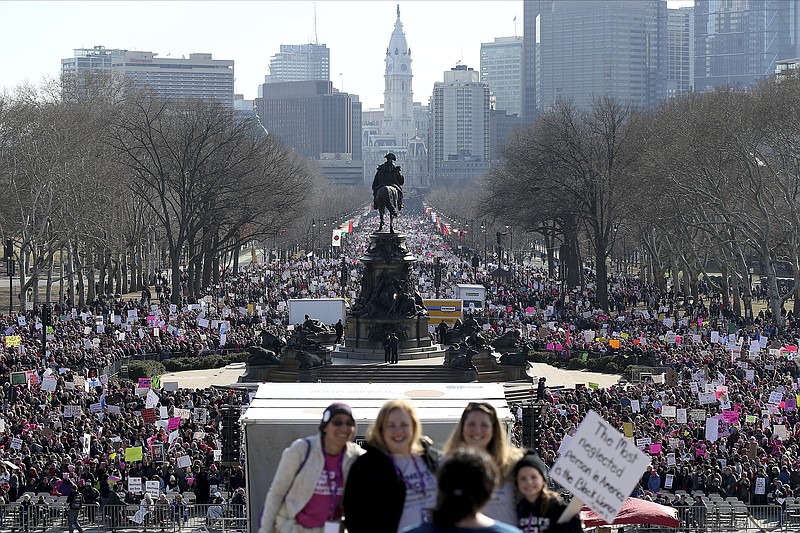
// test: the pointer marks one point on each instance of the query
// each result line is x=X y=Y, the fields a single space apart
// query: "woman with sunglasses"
x=480 y=428
x=393 y=485
x=306 y=491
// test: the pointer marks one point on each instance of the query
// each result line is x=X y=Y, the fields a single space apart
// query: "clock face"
x=403 y=67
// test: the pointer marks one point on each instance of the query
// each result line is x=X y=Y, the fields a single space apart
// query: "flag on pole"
x=336 y=237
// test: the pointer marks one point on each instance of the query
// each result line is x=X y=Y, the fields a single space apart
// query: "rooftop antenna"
x=515 y=25
x=316 y=41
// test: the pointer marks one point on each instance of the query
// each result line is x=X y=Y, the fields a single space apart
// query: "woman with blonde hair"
x=480 y=428
x=392 y=486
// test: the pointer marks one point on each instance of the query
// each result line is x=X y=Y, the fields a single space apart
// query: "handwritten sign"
x=706 y=398
x=669 y=411
x=600 y=467
x=184 y=461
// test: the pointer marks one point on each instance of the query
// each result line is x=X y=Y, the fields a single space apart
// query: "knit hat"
x=533 y=460
x=334 y=409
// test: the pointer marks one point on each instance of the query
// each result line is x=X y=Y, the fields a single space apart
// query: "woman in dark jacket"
x=393 y=485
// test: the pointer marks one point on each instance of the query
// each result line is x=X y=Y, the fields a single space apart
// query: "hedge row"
x=607 y=364
x=149 y=369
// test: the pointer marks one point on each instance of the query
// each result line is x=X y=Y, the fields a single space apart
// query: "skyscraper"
x=300 y=62
x=309 y=117
x=738 y=42
x=580 y=50
x=199 y=76
x=459 y=127
x=680 y=51
x=501 y=70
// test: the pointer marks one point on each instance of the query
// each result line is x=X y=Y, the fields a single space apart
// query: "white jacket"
x=291 y=490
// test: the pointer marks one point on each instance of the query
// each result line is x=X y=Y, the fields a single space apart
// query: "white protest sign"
x=600 y=467
x=152 y=488
x=780 y=431
x=49 y=383
x=669 y=411
x=635 y=406
x=681 y=416
x=668 y=481
x=706 y=398
x=712 y=429
x=182 y=413
x=184 y=461
x=16 y=443
x=761 y=485
x=775 y=397
x=152 y=399
x=135 y=485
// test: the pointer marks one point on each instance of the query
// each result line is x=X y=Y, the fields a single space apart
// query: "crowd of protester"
x=70 y=424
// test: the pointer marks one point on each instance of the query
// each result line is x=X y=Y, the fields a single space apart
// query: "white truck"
x=326 y=310
x=282 y=412
x=474 y=296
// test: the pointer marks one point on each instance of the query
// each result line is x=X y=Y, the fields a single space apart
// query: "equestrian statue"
x=387 y=190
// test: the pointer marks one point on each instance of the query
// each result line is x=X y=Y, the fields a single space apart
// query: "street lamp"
x=313 y=237
x=510 y=231
x=485 y=259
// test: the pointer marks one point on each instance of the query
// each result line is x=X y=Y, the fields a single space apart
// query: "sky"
x=36 y=35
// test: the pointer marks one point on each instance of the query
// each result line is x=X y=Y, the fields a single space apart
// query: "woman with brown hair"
x=393 y=485
x=540 y=507
x=480 y=428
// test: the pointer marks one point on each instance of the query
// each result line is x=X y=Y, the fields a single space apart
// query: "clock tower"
x=398 y=105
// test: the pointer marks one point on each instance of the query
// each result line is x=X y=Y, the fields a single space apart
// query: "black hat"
x=332 y=410
x=533 y=460
x=391 y=157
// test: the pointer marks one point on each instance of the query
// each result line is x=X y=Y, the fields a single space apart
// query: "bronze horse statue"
x=386 y=199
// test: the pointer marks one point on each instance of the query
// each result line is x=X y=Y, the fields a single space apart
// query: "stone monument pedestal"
x=388 y=301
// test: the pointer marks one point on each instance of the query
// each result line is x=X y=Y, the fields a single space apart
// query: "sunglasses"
x=340 y=423
x=480 y=406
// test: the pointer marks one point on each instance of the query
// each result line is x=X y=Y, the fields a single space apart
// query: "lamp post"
x=510 y=231
x=437 y=274
x=485 y=258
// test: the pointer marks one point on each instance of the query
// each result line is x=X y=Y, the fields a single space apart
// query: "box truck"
x=474 y=296
x=283 y=412
x=326 y=310
x=447 y=310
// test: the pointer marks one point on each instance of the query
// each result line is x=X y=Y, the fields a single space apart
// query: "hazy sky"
x=36 y=35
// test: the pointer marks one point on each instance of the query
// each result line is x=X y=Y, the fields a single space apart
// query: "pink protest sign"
x=173 y=423
x=731 y=417
x=655 y=448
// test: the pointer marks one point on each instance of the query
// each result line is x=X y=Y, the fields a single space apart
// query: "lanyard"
x=403 y=478
x=333 y=484
x=531 y=515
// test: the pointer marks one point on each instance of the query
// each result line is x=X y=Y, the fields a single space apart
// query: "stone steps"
x=406 y=354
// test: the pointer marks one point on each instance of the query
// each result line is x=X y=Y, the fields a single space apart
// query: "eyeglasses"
x=340 y=423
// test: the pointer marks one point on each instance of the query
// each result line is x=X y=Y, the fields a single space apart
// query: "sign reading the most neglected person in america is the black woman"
x=600 y=466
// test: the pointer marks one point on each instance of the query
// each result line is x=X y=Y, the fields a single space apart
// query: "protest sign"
x=135 y=485
x=600 y=467
x=152 y=488
x=182 y=413
x=170 y=386
x=706 y=398
x=669 y=411
x=761 y=485
x=681 y=416
x=174 y=423
x=133 y=454
x=712 y=429
x=184 y=461
x=635 y=406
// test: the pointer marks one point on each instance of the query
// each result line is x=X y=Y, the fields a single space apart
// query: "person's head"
x=530 y=474
x=337 y=426
x=466 y=480
x=397 y=429
x=480 y=428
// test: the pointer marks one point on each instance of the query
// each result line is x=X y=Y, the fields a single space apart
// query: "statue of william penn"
x=389 y=174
